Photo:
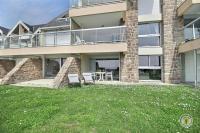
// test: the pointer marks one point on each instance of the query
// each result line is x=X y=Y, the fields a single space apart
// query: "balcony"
x=192 y=36
x=84 y=3
x=188 y=7
x=66 y=42
x=91 y=7
x=99 y=35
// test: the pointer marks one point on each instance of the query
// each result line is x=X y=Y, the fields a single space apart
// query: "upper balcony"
x=192 y=36
x=96 y=40
x=188 y=7
x=91 y=7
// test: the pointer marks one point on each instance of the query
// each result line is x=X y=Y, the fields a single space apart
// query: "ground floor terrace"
x=106 y=68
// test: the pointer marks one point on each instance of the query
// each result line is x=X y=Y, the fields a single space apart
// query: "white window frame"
x=149 y=62
x=152 y=35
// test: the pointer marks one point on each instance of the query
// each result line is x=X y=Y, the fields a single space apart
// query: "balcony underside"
x=98 y=9
x=189 y=7
x=98 y=48
x=189 y=46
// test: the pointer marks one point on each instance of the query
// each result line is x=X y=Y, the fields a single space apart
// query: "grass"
x=98 y=109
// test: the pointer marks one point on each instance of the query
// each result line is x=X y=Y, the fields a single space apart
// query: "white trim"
x=1 y=32
x=150 y=67
x=150 y=18
x=52 y=27
x=149 y=35
x=100 y=28
x=150 y=50
x=37 y=31
x=18 y=23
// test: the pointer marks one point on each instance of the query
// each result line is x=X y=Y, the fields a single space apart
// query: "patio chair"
x=74 y=79
x=109 y=75
x=88 y=78
x=79 y=41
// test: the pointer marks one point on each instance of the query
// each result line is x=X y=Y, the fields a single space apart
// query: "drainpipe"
x=195 y=67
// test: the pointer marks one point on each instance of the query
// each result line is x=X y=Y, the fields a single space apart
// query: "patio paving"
x=48 y=83
x=125 y=83
x=37 y=83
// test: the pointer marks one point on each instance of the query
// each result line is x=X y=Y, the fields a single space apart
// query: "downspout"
x=195 y=66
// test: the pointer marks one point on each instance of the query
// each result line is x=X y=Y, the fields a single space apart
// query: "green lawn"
x=98 y=109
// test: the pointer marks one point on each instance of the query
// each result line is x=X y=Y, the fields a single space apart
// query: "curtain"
x=108 y=64
x=146 y=29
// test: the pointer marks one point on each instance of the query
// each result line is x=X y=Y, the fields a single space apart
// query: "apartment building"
x=135 y=40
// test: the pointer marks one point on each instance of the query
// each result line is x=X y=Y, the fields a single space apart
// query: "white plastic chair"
x=88 y=78
x=74 y=79
x=109 y=75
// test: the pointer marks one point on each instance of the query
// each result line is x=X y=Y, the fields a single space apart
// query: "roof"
x=4 y=30
x=59 y=20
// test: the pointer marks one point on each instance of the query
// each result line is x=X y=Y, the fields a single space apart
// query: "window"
x=143 y=60
x=149 y=61
x=149 y=74
x=149 y=34
x=150 y=67
x=149 y=7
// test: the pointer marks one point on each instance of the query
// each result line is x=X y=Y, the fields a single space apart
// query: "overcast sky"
x=30 y=11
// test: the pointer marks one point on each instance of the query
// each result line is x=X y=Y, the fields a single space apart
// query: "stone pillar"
x=26 y=70
x=129 y=60
x=72 y=65
x=6 y=66
x=172 y=37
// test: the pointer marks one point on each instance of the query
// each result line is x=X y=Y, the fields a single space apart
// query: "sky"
x=30 y=11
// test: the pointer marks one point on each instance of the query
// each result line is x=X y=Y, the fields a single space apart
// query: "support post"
x=195 y=67
x=43 y=66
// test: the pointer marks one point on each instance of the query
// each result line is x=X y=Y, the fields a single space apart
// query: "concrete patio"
x=48 y=83
x=37 y=83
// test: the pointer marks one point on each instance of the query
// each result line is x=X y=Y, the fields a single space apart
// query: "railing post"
x=96 y=36
x=193 y=29
x=55 y=36
x=81 y=35
x=31 y=39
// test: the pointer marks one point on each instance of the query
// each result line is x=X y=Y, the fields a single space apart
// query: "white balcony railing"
x=84 y=3
x=192 y=30
x=65 y=38
x=99 y=35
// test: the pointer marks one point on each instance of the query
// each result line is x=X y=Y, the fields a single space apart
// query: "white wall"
x=189 y=67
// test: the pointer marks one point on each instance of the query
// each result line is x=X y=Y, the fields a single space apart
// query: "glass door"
x=52 y=67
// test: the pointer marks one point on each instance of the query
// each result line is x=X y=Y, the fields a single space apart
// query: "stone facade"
x=72 y=65
x=26 y=70
x=5 y=67
x=129 y=60
x=171 y=39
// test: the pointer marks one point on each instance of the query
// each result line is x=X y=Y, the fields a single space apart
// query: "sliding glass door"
x=107 y=65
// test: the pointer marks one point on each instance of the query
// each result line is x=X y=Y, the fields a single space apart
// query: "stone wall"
x=172 y=36
x=6 y=66
x=72 y=65
x=26 y=70
x=129 y=60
